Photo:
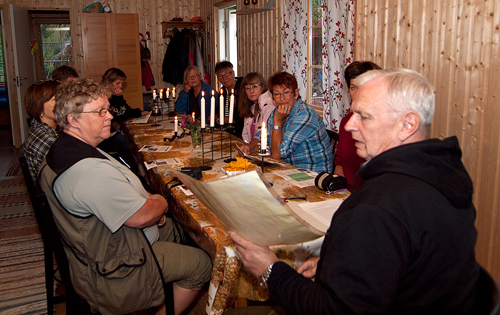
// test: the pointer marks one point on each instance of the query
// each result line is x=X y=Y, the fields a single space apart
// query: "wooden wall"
x=151 y=14
x=455 y=45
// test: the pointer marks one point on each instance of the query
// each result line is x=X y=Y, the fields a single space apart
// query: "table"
x=229 y=280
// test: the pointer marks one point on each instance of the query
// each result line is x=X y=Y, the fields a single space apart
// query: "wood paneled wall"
x=455 y=45
x=151 y=14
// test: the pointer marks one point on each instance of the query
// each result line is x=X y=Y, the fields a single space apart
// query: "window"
x=315 y=68
x=51 y=29
x=227 y=36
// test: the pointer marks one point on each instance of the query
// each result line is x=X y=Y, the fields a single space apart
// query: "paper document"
x=140 y=120
x=318 y=214
x=299 y=177
x=155 y=148
x=162 y=162
x=244 y=204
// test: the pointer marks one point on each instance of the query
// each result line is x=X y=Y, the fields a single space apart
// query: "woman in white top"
x=255 y=104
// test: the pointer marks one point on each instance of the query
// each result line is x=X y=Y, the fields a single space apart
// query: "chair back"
x=52 y=245
x=334 y=138
x=488 y=294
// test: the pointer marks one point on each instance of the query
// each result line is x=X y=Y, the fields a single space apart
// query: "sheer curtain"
x=337 y=52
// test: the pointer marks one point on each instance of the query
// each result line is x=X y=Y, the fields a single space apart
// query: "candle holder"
x=216 y=145
x=262 y=154
x=156 y=112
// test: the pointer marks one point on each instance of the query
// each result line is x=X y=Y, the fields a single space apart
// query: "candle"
x=231 y=106
x=168 y=93
x=263 y=139
x=173 y=92
x=192 y=116
x=221 y=103
x=161 y=93
x=202 y=109
x=154 y=95
x=175 y=124
x=212 y=109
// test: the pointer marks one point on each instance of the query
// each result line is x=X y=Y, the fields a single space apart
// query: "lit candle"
x=173 y=92
x=212 y=109
x=154 y=95
x=168 y=93
x=231 y=107
x=175 y=124
x=221 y=103
x=161 y=93
x=263 y=138
x=202 y=109
x=192 y=115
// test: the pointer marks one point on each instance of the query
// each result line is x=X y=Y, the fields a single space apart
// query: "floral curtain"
x=337 y=52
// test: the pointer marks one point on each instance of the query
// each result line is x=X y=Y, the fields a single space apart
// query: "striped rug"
x=22 y=277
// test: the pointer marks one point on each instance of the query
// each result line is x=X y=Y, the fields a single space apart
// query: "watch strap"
x=276 y=127
x=265 y=276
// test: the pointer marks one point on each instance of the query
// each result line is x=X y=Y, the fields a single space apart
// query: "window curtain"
x=337 y=52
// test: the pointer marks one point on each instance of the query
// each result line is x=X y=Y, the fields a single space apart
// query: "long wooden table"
x=229 y=280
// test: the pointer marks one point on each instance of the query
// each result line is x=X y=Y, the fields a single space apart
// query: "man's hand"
x=255 y=258
x=308 y=268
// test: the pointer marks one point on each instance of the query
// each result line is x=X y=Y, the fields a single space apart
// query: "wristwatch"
x=276 y=127
x=265 y=276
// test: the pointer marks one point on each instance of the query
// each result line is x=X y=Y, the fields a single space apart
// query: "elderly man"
x=109 y=224
x=404 y=242
x=225 y=74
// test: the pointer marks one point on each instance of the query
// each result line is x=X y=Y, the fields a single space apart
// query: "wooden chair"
x=334 y=138
x=52 y=245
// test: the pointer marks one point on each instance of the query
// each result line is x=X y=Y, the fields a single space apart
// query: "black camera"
x=330 y=182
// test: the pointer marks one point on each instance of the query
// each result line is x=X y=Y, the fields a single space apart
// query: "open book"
x=246 y=205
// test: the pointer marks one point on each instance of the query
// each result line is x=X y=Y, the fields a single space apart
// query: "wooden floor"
x=9 y=155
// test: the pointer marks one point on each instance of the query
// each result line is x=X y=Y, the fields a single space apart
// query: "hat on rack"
x=177 y=19
x=196 y=19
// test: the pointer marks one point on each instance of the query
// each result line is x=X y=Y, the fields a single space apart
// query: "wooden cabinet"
x=112 y=40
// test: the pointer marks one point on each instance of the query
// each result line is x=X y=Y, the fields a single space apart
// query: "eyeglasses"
x=286 y=94
x=252 y=87
x=102 y=112
x=225 y=75
x=194 y=76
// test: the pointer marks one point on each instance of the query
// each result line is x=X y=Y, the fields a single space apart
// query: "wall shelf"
x=251 y=11
x=165 y=26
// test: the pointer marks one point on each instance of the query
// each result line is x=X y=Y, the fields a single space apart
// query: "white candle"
x=263 y=138
x=173 y=92
x=212 y=109
x=168 y=92
x=175 y=124
x=161 y=93
x=154 y=95
x=192 y=115
x=202 y=110
x=221 y=103
x=231 y=107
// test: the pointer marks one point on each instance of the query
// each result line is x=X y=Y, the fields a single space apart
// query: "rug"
x=14 y=170
x=22 y=276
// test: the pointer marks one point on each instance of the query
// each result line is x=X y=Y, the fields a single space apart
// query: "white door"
x=23 y=63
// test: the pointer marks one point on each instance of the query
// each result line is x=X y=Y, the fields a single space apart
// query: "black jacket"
x=401 y=244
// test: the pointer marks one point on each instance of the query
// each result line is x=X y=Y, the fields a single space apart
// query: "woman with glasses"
x=296 y=133
x=39 y=102
x=255 y=104
x=120 y=245
x=192 y=75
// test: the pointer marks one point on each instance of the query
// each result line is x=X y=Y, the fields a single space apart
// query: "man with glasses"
x=120 y=246
x=225 y=75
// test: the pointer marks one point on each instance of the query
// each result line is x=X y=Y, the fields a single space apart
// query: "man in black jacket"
x=404 y=242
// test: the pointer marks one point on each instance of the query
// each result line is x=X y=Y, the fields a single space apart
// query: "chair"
x=334 y=138
x=488 y=294
x=51 y=245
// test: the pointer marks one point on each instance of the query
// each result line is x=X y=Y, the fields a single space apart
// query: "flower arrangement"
x=187 y=122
